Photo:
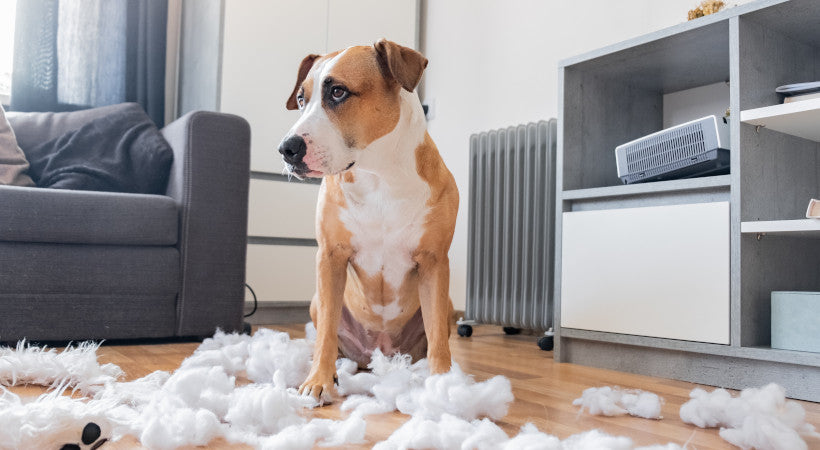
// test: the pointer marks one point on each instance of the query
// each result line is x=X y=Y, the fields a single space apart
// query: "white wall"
x=265 y=40
x=494 y=64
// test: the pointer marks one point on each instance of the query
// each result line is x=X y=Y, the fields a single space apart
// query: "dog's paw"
x=321 y=384
x=439 y=365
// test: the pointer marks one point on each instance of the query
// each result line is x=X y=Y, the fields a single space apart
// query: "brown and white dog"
x=386 y=211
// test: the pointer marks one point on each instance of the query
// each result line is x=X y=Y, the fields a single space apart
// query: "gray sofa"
x=78 y=265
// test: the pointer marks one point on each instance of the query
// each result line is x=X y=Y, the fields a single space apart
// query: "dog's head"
x=348 y=100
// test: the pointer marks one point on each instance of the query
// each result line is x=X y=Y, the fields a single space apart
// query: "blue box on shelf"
x=796 y=321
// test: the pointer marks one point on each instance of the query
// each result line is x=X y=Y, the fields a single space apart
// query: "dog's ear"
x=400 y=63
x=304 y=68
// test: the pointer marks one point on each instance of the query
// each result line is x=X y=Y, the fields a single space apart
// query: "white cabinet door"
x=657 y=271
x=282 y=209
x=281 y=273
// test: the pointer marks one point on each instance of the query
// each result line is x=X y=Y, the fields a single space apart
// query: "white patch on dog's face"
x=327 y=153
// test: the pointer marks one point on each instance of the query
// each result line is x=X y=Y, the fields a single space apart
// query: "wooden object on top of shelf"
x=705 y=8
x=813 y=212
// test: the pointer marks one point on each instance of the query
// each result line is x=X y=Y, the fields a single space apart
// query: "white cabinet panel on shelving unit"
x=265 y=40
x=284 y=209
x=660 y=271
x=281 y=273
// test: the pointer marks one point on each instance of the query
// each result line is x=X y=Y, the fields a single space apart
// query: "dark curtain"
x=78 y=54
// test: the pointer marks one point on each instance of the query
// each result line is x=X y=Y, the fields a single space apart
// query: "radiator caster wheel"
x=511 y=331
x=465 y=330
x=547 y=341
x=246 y=328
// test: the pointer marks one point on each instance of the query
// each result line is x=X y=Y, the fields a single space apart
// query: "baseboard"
x=278 y=313
x=713 y=370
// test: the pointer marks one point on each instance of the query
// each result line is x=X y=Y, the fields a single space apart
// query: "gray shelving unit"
x=615 y=94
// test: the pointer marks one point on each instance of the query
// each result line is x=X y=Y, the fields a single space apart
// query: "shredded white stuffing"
x=450 y=432
x=48 y=421
x=445 y=433
x=457 y=394
x=270 y=351
x=758 y=418
x=614 y=401
x=75 y=367
x=390 y=378
x=202 y=401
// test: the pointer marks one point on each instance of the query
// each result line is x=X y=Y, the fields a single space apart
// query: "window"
x=7 y=16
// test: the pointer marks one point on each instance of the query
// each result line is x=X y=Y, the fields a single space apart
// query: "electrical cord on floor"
x=255 y=302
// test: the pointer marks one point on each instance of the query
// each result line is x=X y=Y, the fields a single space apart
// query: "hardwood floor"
x=543 y=390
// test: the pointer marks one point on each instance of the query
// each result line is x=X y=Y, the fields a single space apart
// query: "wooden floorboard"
x=543 y=390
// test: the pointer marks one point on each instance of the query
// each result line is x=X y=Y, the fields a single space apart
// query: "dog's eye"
x=300 y=101
x=338 y=93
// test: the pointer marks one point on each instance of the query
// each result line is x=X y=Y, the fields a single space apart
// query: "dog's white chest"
x=386 y=224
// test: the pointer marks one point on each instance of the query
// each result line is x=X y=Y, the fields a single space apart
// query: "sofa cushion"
x=86 y=217
x=34 y=128
x=120 y=152
x=13 y=163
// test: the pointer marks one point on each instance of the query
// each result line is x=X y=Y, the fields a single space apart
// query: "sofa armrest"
x=209 y=181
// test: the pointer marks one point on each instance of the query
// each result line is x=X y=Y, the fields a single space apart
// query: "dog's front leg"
x=436 y=307
x=331 y=269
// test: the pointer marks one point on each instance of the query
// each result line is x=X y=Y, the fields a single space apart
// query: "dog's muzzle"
x=293 y=150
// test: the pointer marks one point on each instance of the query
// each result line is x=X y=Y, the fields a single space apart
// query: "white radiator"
x=511 y=226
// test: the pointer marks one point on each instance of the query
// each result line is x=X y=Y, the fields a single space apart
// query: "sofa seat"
x=86 y=217
x=98 y=291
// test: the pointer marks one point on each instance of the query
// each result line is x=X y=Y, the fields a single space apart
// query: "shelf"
x=796 y=228
x=688 y=184
x=757 y=353
x=797 y=119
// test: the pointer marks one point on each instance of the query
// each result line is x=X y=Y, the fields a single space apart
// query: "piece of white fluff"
x=614 y=401
x=227 y=350
x=74 y=367
x=265 y=408
x=447 y=432
x=351 y=382
x=49 y=421
x=530 y=438
x=394 y=376
x=450 y=432
x=759 y=418
x=324 y=432
x=270 y=351
x=456 y=393
x=396 y=383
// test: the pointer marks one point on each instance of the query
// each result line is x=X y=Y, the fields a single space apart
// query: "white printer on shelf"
x=692 y=149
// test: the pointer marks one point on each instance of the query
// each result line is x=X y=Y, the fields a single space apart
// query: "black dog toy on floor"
x=91 y=437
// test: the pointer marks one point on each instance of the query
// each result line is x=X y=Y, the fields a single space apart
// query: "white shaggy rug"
x=207 y=398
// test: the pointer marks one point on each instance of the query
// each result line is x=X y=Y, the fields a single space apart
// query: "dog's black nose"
x=293 y=149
